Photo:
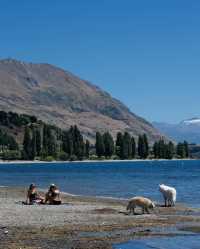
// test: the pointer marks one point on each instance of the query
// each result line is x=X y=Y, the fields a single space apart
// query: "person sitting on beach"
x=33 y=196
x=53 y=195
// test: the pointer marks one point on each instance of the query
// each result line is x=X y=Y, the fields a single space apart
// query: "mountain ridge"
x=59 y=97
x=188 y=129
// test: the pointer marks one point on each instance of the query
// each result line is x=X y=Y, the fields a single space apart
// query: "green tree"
x=156 y=150
x=140 y=146
x=45 y=140
x=126 y=147
x=11 y=143
x=49 y=141
x=99 y=145
x=27 y=149
x=7 y=142
x=87 y=148
x=133 y=149
x=33 y=145
x=180 y=150
x=38 y=142
x=145 y=146
x=78 y=143
x=170 y=150
x=186 y=149
x=108 y=144
x=119 y=145
x=67 y=142
x=161 y=149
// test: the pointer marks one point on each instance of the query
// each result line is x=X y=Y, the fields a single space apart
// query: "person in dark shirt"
x=33 y=196
x=53 y=195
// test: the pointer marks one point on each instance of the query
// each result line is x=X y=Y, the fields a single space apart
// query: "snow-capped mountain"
x=188 y=129
x=193 y=121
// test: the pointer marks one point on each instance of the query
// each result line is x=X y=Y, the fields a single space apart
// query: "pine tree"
x=45 y=140
x=99 y=145
x=161 y=149
x=156 y=150
x=78 y=143
x=108 y=144
x=186 y=149
x=119 y=145
x=33 y=145
x=49 y=141
x=27 y=150
x=140 y=146
x=11 y=142
x=133 y=150
x=38 y=142
x=145 y=146
x=126 y=147
x=67 y=143
x=180 y=150
x=87 y=149
x=170 y=150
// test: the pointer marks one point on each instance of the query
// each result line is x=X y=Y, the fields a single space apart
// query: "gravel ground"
x=82 y=222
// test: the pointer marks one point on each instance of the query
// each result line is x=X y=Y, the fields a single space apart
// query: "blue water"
x=118 y=179
x=179 y=242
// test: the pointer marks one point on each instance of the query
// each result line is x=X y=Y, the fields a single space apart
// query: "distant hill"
x=186 y=130
x=61 y=98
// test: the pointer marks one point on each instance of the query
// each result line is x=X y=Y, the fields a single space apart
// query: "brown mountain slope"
x=58 y=97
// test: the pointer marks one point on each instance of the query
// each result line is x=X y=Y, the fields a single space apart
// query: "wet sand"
x=84 y=222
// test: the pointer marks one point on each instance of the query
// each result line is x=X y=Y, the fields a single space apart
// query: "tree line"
x=126 y=147
x=47 y=142
x=51 y=143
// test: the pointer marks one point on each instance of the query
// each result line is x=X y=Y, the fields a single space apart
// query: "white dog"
x=169 y=194
x=142 y=202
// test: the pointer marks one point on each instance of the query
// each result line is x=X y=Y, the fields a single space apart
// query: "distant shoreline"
x=95 y=161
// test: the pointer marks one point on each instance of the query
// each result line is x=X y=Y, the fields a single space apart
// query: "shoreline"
x=84 y=222
x=95 y=161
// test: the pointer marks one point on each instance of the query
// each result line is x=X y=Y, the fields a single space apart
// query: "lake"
x=178 y=242
x=111 y=179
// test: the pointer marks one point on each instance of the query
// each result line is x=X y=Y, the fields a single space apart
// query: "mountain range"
x=188 y=130
x=58 y=97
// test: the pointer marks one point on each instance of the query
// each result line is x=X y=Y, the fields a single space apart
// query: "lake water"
x=117 y=179
x=178 y=242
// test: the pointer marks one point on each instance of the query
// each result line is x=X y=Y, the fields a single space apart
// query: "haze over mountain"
x=188 y=130
x=61 y=98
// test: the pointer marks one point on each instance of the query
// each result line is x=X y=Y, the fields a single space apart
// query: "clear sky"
x=144 y=52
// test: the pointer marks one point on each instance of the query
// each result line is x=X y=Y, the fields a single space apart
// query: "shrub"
x=115 y=157
x=63 y=156
x=94 y=157
x=48 y=159
x=11 y=155
x=73 y=158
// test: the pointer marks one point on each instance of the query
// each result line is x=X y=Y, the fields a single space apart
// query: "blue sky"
x=146 y=53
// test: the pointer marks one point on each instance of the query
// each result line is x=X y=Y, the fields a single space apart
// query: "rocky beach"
x=84 y=222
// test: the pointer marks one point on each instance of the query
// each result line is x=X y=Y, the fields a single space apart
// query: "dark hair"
x=52 y=186
x=32 y=186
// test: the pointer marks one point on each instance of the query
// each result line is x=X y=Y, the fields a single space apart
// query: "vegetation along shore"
x=24 y=137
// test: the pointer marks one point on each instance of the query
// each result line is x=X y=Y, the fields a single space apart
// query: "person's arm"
x=59 y=197
x=46 y=197
x=27 y=197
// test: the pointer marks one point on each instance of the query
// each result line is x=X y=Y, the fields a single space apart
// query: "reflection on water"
x=177 y=242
